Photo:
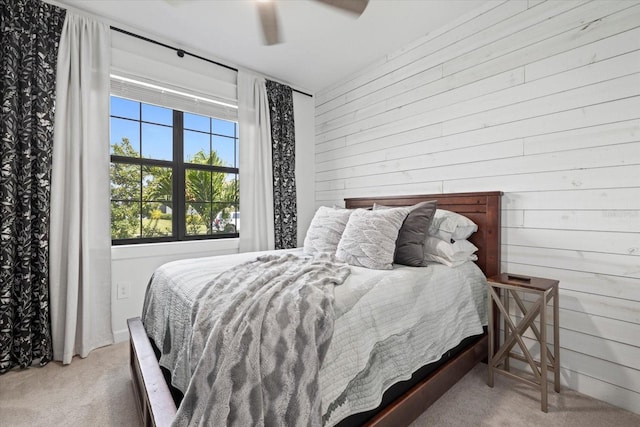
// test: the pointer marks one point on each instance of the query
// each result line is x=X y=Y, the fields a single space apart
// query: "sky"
x=157 y=134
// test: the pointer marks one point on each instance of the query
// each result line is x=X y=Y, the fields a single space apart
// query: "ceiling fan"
x=269 y=18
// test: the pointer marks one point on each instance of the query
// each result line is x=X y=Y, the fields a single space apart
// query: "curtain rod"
x=181 y=53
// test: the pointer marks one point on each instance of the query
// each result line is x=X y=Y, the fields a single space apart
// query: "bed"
x=404 y=401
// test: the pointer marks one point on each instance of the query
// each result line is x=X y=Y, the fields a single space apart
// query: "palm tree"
x=206 y=192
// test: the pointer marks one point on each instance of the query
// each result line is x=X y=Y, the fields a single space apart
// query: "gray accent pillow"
x=414 y=231
x=369 y=240
x=326 y=229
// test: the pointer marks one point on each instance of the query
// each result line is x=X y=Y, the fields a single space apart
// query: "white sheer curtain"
x=256 y=174
x=80 y=237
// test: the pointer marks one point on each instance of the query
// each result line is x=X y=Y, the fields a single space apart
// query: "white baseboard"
x=121 y=335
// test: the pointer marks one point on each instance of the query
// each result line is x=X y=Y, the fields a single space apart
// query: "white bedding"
x=388 y=323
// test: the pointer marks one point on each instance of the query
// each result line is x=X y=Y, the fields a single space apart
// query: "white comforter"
x=388 y=324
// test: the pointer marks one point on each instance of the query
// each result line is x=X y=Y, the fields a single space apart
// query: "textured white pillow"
x=369 y=240
x=450 y=254
x=326 y=229
x=447 y=225
x=414 y=231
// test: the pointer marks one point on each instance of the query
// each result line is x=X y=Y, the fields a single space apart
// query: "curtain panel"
x=256 y=181
x=80 y=262
x=283 y=150
x=30 y=33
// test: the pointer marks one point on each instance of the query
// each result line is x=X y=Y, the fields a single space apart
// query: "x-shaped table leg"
x=534 y=328
x=516 y=331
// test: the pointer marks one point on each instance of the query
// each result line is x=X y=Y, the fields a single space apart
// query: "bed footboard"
x=152 y=394
x=157 y=407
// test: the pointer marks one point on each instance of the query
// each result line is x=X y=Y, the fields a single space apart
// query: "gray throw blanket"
x=260 y=333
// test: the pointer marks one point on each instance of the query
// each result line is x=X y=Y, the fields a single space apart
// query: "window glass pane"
x=125 y=181
x=125 y=220
x=225 y=187
x=155 y=114
x=224 y=127
x=157 y=142
x=156 y=220
x=198 y=218
x=197 y=122
x=219 y=186
x=231 y=188
x=125 y=137
x=235 y=218
x=125 y=108
x=196 y=147
x=197 y=185
x=157 y=183
x=225 y=150
x=227 y=218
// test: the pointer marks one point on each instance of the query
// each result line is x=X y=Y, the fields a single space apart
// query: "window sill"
x=196 y=247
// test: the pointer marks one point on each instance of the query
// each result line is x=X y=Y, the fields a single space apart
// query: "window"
x=174 y=174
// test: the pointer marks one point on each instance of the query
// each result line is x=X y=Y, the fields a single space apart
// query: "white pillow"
x=325 y=230
x=448 y=263
x=447 y=225
x=450 y=254
x=369 y=239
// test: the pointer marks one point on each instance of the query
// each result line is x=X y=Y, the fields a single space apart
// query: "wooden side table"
x=500 y=288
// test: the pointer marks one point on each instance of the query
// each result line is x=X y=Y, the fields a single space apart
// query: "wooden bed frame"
x=153 y=395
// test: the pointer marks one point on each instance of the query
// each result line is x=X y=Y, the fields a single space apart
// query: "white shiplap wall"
x=540 y=100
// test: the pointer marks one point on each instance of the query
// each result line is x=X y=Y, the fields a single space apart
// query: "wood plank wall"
x=540 y=100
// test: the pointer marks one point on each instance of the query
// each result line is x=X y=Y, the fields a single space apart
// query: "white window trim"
x=144 y=90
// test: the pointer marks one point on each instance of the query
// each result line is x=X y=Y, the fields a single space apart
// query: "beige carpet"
x=96 y=391
x=511 y=403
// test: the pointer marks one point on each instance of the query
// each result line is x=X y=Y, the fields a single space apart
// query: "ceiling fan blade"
x=269 y=21
x=353 y=6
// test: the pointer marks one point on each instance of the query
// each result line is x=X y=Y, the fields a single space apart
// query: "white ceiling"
x=321 y=46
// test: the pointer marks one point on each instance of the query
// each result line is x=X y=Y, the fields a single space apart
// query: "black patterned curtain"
x=283 y=141
x=29 y=35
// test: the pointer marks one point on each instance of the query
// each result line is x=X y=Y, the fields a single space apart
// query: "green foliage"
x=125 y=185
x=195 y=224
x=124 y=220
x=135 y=210
x=154 y=226
x=124 y=149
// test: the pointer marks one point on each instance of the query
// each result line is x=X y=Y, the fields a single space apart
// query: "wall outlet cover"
x=124 y=289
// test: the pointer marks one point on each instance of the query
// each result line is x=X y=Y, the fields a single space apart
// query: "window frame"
x=178 y=167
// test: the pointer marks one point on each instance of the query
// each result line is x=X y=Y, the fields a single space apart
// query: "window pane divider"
x=179 y=219
x=141 y=161
x=211 y=168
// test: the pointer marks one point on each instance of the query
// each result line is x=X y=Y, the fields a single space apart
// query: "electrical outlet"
x=123 y=290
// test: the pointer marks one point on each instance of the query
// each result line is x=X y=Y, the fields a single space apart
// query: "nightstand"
x=501 y=287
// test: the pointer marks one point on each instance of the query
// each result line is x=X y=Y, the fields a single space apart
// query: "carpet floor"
x=97 y=391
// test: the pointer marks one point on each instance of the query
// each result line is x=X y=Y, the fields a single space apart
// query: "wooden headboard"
x=482 y=208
